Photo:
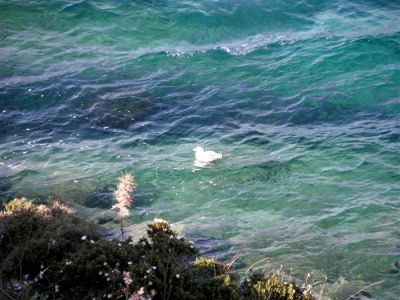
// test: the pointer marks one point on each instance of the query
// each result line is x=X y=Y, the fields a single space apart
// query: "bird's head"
x=198 y=149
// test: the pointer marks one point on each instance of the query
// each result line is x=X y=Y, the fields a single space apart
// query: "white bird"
x=205 y=157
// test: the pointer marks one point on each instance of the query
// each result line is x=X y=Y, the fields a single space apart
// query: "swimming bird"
x=205 y=157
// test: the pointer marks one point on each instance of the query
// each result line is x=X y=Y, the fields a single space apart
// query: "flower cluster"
x=123 y=195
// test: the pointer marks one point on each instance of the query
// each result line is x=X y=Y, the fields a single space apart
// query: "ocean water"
x=302 y=96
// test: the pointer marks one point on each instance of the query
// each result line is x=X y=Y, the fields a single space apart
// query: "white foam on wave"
x=327 y=24
x=239 y=47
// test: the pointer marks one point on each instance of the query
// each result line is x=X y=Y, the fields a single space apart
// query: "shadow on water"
x=8 y=181
x=214 y=247
x=6 y=192
x=265 y=171
x=122 y=112
x=9 y=190
x=250 y=138
x=19 y=177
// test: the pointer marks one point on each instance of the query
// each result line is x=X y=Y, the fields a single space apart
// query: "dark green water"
x=303 y=97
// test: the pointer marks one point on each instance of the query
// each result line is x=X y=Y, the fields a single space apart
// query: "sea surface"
x=302 y=97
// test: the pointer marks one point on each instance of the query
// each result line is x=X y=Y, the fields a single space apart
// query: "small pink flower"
x=127 y=278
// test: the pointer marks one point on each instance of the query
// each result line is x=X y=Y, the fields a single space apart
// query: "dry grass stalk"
x=251 y=267
x=364 y=288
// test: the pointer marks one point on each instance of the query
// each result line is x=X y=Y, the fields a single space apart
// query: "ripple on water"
x=302 y=100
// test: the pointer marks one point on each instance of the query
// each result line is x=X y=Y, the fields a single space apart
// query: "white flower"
x=159 y=220
x=17 y=286
x=108 y=279
x=42 y=267
x=56 y=288
x=109 y=296
x=100 y=273
x=83 y=238
x=154 y=267
x=91 y=241
x=129 y=262
x=106 y=274
x=105 y=264
x=150 y=283
x=178 y=276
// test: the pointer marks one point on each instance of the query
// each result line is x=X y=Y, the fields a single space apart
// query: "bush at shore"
x=47 y=252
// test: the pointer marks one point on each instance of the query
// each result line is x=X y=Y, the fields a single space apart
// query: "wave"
x=250 y=44
x=327 y=24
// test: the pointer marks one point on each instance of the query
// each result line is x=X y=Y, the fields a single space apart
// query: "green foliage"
x=33 y=236
x=209 y=279
x=209 y=266
x=48 y=252
x=81 y=273
x=152 y=263
x=262 y=287
x=167 y=258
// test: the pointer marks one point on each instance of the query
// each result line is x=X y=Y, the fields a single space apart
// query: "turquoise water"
x=303 y=97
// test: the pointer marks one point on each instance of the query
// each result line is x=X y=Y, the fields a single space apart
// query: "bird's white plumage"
x=203 y=156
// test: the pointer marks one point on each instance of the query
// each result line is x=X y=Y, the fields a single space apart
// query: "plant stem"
x=122 y=228
x=364 y=288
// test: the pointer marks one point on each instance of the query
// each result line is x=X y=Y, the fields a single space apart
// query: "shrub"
x=209 y=279
x=95 y=270
x=119 y=269
x=262 y=287
x=48 y=252
x=167 y=260
x=33 y=236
